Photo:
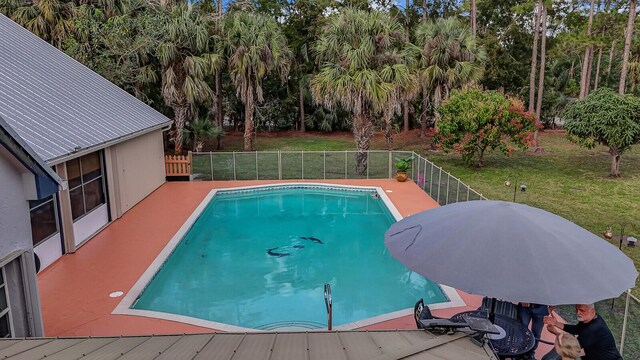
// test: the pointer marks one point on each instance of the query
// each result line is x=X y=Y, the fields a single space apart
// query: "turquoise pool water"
x=260 y=259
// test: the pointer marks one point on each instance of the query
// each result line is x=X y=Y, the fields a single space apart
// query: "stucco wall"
x=138 y=169
x=15 y=223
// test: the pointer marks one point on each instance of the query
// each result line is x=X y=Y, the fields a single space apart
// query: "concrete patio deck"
x=75 y=289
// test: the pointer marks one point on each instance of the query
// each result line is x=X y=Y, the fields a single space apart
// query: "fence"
x=312 y=165
x=177 y=165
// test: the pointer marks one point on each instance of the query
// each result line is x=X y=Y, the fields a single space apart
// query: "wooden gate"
x=177 y=165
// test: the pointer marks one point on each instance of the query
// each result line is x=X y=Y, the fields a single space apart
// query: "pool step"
x=292 y=326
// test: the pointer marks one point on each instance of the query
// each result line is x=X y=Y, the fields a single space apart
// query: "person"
x=375 y=195
x=567 y=346
x=534 y=314
x=593 y=334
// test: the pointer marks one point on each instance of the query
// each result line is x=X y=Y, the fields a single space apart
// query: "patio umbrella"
x=511 y=251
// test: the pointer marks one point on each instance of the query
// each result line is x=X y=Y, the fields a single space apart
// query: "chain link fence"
x=313 y=165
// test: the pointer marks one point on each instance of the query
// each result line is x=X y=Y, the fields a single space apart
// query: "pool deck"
x=74 y=291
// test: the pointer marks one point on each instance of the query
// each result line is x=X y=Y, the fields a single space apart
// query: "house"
x=26 y=182
x=104 y=144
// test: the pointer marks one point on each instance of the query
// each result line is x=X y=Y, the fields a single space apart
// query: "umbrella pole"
x=624 y=322
x=492 y=312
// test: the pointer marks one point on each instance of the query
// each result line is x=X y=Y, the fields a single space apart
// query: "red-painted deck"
x=75 y=289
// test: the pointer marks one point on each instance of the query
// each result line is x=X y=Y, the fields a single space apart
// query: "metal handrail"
x=329 y=304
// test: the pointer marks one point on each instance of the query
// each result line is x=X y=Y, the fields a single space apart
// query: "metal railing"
x=328 y=302
x=309 y=165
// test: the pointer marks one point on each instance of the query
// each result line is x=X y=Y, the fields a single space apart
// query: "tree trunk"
x=616 y=158
x=571 y=69
x=543 y=53
x=627 y=46
x=584 y=74
x=362 y=132
x=423 y=115
x=248 y=122
x=301 y=91
x=597 y=80
x=388 y=130
x=219 y=100
x=611 y=50
x=480 y=155
x=405 y=114
x=474 y=16
x=424 y=10
x=534 y=58
x=181 y=113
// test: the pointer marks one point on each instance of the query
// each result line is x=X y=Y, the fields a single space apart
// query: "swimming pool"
x=258 y=258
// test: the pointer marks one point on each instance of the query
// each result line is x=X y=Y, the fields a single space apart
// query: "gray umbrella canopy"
x=511 y=251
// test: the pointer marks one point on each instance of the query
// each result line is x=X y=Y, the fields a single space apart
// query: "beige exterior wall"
x=135 y=168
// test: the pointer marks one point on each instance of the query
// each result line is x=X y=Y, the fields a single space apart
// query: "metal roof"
x=347 y=345
x=57 y=104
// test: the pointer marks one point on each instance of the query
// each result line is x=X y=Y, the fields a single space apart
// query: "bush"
x=474 y=121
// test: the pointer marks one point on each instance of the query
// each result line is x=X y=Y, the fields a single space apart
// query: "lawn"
x=567 y=180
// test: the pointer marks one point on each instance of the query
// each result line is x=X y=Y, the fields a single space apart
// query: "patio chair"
x=421 y=312
x=503 y=308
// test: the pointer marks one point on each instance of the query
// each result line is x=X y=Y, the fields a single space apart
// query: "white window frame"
x=7 y=311
x=100 y=178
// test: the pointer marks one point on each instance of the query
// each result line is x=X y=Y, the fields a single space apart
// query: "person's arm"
x=551 y=321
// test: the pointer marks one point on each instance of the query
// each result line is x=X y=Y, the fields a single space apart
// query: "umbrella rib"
x=414 y=238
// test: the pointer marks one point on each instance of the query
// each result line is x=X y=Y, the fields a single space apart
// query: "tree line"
x=340 y=64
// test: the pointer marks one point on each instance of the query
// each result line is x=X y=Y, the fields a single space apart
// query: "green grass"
x=567 y=180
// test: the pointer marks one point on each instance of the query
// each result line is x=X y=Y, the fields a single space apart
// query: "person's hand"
x=524 y=305
x=550 y=320
x=550 y=309
x=554 y=330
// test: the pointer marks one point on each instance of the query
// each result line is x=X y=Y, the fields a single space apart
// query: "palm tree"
x=184 y=53
x=201 y=130
x=51 y=20
x=255 y=48
x=363 y=68
x=449 y=58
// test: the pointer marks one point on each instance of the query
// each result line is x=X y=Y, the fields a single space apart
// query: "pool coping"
x=124 y=306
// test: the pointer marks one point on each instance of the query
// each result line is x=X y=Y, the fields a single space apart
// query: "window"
x=44 y=219
x=86 y=184
x=5 y=312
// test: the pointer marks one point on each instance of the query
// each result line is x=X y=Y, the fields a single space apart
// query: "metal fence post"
x=458 y=191
x=413 y=157
x=431 y=181
x=257 y=176
x=439 y=185
x=324 y=166
x=368 y=163
x=390 y=156
x=424 y=175
x=279 y=165
x=345 y=164
x=211 y=158
x=234 y=166
x=418 y=177
x=468 y=191
x=303 y=164
x=447 y=198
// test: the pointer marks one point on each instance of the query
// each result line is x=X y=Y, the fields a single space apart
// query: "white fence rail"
x=309 y=165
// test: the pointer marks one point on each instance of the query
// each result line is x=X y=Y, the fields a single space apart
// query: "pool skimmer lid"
x=116 y=294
